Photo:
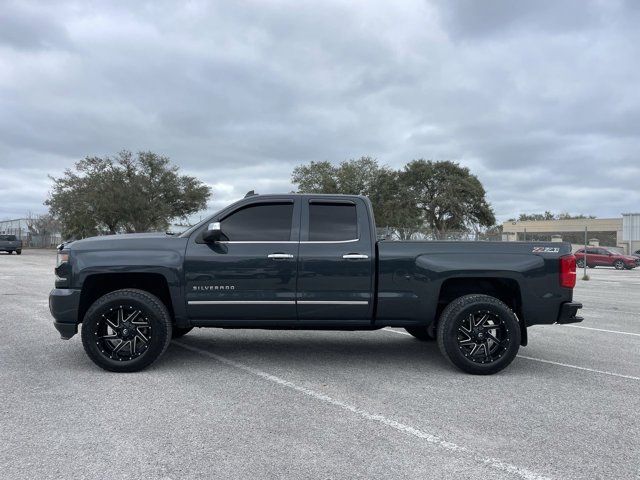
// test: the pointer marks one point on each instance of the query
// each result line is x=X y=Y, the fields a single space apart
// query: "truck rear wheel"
x=421 y=333
x=479 y=334
x=126 y=330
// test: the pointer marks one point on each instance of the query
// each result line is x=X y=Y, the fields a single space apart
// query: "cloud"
x=539 y=99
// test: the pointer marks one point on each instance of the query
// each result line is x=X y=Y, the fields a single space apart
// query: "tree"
x=448 y=195
x=42 y=225
x=124 y=194
x=316 y=177
x=362 y=176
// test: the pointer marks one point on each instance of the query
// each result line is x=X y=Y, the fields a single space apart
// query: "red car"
x=603 y=257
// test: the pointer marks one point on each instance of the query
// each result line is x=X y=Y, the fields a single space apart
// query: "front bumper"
x=63 y=305
x=568 y=313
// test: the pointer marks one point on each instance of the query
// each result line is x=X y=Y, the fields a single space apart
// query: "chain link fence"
x=425 y=234
x=20 y=228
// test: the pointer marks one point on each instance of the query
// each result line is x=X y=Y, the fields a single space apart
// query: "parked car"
x=10 y=244
x=636 y=254
x=307 y=262
x=604 y=257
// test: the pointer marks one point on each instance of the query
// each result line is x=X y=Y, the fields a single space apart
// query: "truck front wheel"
x=479 y=334
x=126 y=330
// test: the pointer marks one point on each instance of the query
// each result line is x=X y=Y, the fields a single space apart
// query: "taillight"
x=568 y=271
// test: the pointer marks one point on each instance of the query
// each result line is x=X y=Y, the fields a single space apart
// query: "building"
x=630 y=232
x=600 y=231
x=17 y=227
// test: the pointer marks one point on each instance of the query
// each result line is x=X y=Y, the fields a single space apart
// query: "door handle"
x=355 y=256
x=280 y=256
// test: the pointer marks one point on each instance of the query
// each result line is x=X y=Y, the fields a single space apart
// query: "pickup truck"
x=10 y=244
x=302 y=261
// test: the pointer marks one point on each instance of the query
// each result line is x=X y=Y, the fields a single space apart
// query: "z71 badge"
x=545 y=250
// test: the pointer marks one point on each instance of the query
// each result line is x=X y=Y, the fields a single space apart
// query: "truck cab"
x=293 y=259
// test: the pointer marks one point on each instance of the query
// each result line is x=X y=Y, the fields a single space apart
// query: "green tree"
x=448 y=195
x=362 y=176
x=125 y=193
x=316 y=177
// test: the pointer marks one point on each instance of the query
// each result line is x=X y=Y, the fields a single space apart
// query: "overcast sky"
x=540 y=99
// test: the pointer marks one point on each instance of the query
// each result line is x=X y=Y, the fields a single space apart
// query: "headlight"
x=62 y=270
x=62 y=257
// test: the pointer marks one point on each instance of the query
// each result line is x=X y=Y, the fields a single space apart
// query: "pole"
x=585 y=250
x=525 y=234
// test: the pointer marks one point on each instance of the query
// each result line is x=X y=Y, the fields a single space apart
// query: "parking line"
x=629 y=377
x=490 y=462
x=602 y=330
x=606 y=311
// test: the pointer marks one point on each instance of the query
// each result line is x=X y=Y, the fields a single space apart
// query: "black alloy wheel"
x=619 y=265
x=126 y=330
x=483 y=337
x=123 y=332
x=479 y=334
x=580 y=263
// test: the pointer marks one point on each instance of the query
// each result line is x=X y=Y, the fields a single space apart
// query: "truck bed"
x=412 y=274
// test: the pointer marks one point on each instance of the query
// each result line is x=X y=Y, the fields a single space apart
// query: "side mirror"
x=212 y=233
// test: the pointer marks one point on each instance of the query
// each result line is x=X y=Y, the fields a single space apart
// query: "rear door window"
x=332 y=222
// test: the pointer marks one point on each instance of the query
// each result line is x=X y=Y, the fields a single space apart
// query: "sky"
x=540 y=99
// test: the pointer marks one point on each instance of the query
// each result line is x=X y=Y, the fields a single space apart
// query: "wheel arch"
x=99 y=284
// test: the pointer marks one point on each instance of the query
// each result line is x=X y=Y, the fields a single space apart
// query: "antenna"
x=250 y=193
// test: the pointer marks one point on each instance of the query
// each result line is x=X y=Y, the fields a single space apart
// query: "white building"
x=631 y=232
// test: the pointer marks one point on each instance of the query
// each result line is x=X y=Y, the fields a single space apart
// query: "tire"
x=421 y=333
x=178 y=332
x=481 y=354
x=18 y=252
x=123 y=349
x=619 y=265
x=591 y=266
x=580 y=263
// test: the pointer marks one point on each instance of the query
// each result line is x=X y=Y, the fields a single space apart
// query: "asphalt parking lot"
x=275 y=404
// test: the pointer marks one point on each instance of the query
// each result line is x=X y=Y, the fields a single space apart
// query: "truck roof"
x=292 y=195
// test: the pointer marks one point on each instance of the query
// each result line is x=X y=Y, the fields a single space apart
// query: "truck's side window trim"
x=331 y=241
x=289 y=241
x=257 y=241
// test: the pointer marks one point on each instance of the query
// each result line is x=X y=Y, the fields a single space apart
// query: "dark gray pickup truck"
x=307 y=262
x=10 y=244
